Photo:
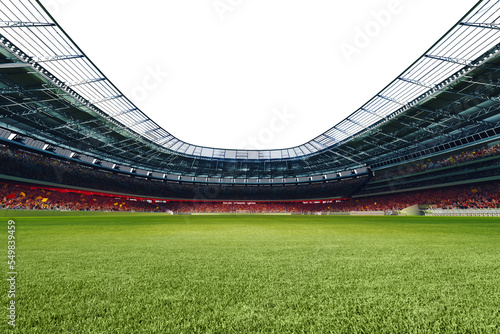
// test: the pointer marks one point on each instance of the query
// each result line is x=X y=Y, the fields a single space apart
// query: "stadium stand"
x=474 y=165
x=476 y=196
x=439 y=162
x=35 y=167
x=431 y=137
x=19 y=197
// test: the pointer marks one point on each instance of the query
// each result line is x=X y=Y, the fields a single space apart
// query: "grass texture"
x=154 y=273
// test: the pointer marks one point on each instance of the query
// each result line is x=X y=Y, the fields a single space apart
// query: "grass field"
x=152 y=273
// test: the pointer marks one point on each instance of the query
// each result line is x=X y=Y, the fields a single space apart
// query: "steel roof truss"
x=481 y=25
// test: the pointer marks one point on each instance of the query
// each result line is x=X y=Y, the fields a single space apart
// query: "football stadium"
x=388 y=222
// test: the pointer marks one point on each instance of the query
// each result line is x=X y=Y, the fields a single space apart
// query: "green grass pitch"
x=154 y=273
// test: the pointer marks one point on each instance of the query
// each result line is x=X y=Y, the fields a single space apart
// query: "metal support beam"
x=483 y=83
x=458 y=61
x=481 y=25
x=123 y=112
x=105 y=99
x=343 y=131
x=372 y=113
x=14 y=65
x=418 y=83
x=83 y=82
x=21 y=24
x=164 y=140
x=137 y=123
x=355 y=123
x=403 y=103
x=477 y=95
x=393 y=137
x=17 y=90
x=446 y=113
x=56 y=58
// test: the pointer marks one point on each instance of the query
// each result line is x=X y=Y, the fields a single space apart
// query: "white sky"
x=217 y=73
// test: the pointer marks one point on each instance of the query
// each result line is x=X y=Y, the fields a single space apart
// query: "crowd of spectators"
x=473 y=196
x=440 y=162
x=232 y=207
x=37 y=198
x=479 y=196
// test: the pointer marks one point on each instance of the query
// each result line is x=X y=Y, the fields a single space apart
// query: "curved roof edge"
x=36 y=32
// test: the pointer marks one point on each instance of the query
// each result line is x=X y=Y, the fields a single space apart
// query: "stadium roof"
x=51 y=91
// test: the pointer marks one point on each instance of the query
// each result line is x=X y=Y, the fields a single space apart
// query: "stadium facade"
x=55 y=102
